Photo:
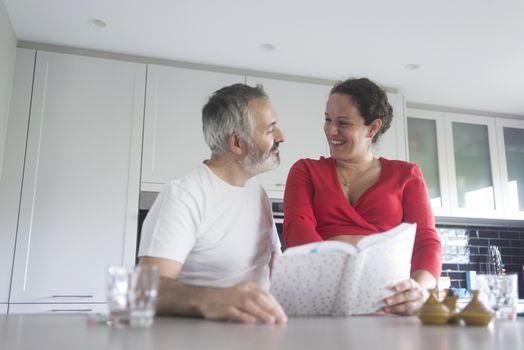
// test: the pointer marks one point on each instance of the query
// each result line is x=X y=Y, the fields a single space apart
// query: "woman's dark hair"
x=370 y=99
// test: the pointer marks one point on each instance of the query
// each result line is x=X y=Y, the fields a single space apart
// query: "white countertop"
x=57 y=332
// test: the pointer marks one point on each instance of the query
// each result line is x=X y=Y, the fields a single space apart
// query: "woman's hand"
x=408 y=298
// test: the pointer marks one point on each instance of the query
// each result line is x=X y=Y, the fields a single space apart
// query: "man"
x=211 y=232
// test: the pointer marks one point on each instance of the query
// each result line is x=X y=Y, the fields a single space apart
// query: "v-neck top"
x=315 y=207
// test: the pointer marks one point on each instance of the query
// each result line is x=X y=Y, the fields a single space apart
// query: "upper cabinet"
x=79 y=199
x=510 y=141
x=173 y=139
x=472 y=164
x=427 y=149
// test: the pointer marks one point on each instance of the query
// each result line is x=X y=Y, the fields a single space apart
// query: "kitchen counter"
x=56 y=332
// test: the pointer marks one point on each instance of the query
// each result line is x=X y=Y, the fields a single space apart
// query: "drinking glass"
x=500 y=293
x=131 y=295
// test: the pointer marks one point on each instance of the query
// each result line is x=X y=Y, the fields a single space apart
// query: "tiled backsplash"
x=464 y=248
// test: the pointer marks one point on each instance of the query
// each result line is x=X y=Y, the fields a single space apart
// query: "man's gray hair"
x=226 y=112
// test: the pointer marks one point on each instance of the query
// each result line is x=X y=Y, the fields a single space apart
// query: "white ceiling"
x=470 y=52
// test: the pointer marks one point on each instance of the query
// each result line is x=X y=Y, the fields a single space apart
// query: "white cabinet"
x=11 y=177
x=427 y=148
x=3 y=309
x=79 y=200
x=300 y=111
x=472 y=164
x=473 y=167
x=510 y=143
x=173 y=139
x=392 y=144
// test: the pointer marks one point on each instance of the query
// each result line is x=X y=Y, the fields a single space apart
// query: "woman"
x=352 y=194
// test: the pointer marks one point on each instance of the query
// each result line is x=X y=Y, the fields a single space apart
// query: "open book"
x=337 y=278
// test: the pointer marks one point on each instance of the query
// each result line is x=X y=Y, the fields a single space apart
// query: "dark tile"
x=457 y=275
x=488 y=234
x=479 y=242
x=515 y=229
x=517 y=243
x=453 y=267
x=509 y=235
x=467 y=267
x=511 y=251
x=515 y=259
x=477 y=258
x=499 y=242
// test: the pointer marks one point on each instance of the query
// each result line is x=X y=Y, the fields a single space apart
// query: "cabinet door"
x=3 y=309
x=425 y=146
x=392 y=144
x=510 y=137
x=473 y=166
x=11 y=177
x=300 y=111
x=173 y=139
x=79 y=201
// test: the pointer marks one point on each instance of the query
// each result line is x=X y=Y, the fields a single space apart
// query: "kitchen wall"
x=7 y=63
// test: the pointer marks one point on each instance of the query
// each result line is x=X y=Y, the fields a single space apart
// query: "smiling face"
x=262 y=149
x=347 y=135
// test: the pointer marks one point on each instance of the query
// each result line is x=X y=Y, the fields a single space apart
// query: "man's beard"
x=256 y=161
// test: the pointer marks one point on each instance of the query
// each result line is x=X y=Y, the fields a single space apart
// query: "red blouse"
x=315 y=207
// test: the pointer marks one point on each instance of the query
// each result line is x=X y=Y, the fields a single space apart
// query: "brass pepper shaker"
x=476 y=313
x=433 y=312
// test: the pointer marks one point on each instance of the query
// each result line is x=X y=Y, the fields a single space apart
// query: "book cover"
x=339 y=279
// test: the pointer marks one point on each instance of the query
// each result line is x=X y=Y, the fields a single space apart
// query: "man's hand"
x=244 y=302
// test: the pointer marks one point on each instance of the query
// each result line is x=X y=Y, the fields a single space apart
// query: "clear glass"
x=131 y=295
x=500 y=293
x=422 y=140
x=514 y=147
x=473 y=166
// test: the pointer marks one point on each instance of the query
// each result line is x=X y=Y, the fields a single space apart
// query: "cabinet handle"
x=73 y=296
x=71 y=310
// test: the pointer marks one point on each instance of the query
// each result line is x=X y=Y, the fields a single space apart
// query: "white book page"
x=381 y=264
x=322 y=247
x=307 y=284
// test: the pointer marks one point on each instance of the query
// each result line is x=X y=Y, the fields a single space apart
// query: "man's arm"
x=244 y=302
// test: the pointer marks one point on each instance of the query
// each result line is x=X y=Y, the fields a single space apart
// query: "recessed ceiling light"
x=97 y=23
x=267 y=47
x=411 y=66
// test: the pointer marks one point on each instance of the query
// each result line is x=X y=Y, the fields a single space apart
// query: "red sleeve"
x=417 y=209
x=299 y=220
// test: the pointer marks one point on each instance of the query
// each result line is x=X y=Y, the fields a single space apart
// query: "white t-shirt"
x=222 y=234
